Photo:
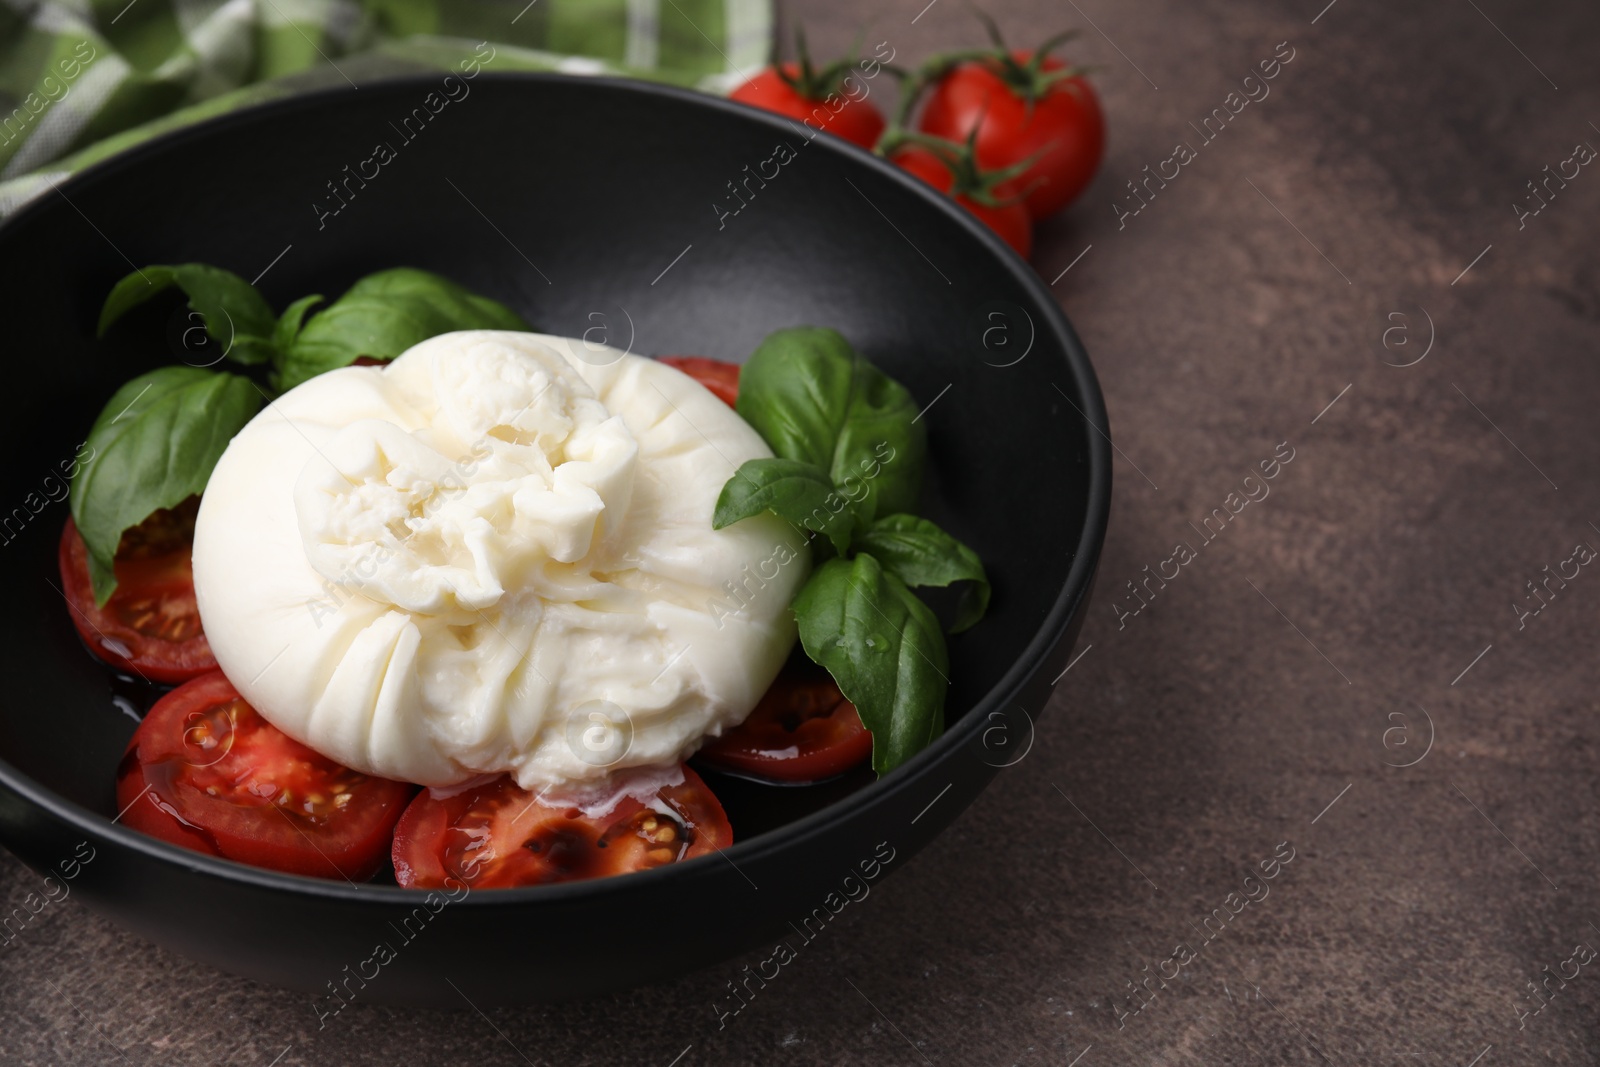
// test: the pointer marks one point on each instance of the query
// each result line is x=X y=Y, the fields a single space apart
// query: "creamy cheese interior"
x=494 y=556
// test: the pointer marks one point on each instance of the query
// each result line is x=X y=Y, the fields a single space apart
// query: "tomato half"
x=838 y=113
x=498 y=836
x=151 y=625
x=1062 y=127
x=206 y=772
x=719 y=377
x=1010 y=220
x=803 y=730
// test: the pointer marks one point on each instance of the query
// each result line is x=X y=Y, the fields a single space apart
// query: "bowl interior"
x=655 y=220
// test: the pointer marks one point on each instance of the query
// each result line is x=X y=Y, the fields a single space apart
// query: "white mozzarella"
x=494 y=555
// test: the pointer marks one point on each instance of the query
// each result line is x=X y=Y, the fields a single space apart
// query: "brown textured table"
x=1362 y=616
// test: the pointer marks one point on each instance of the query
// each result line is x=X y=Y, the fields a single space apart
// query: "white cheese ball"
x=494 y=555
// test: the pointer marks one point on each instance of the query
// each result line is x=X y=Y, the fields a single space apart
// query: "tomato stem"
x=913 y=84
x=960 y=159
x=1029 y=80
x=807 y=80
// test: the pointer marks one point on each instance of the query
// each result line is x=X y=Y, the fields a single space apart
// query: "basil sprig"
x=850 y=452
x=793 y=489
x=160 y=436
x=883 y=646
x=812 y=398
x=380 y=317
x=235 y=314
x=920 y=554
x=154 y=446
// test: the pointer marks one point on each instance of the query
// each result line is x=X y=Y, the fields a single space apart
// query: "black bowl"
x=585 y=204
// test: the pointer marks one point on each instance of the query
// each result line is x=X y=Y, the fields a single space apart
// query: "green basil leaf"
x=814 y=399
x=154 y=446
x=381 y=316
x=881 y=447
x=884 y=648
x=920 y=554
x=250 y=351
x=799 y=492
x=236 y=316
x=794 y=390
x=289 y=323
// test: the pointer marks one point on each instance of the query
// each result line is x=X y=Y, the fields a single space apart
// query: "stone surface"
x=1263 y=696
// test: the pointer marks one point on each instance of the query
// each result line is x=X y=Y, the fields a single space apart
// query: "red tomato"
x=1063 y=126
x=499 y=836
x=151 y=625
x=803 y=730
x=836 y=112
x=206 y=772
x=1011 y=221
x=719 y=377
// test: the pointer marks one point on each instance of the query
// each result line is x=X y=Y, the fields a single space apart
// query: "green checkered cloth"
x=83 y=79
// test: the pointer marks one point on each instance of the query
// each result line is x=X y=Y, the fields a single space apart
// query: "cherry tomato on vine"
x=1024 y=106
x=832 y=100
x=1008 y=219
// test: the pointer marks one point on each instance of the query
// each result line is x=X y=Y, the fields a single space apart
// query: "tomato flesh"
x=803 y=730
x=719 y=377
x=206 y=772
x=499 y=836
x=1010 y=220
x=841 y=115
x=151 y=624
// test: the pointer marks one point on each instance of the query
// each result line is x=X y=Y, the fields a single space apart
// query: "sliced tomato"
x=206 y=772
x=151 y=625
x=803 y=730
x=498 y=836
x=719 y=377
